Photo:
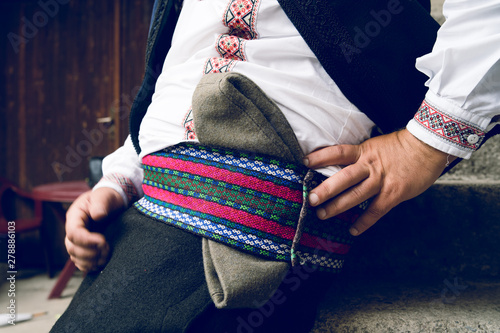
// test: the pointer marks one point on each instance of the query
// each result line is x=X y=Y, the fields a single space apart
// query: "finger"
x=103 y=203
x=375 y=211
x=103 y=258
x=348 y=199
x=89 y=265
x=76 y=221
x=83 y=265
x=338 y=183
x=87 y=260
x=81 y=252
x=84 y=238
x=76 y=214
x=333 y=155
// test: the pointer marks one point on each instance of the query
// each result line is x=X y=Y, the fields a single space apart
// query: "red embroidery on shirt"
x=126 y=185
x=452 y=130
x=231 y=47
x=240 y=17
x=188 y=124
x=218 y=65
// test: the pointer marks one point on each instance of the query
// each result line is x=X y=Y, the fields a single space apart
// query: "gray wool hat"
x=231 y=111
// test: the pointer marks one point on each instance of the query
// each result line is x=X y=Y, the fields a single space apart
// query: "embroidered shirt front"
x=239 y=17
x=254 y=38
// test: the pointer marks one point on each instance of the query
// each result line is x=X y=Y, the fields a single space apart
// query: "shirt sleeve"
x=122 y=171
x=463 y=100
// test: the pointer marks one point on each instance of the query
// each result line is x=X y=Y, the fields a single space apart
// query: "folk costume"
x=235 y=94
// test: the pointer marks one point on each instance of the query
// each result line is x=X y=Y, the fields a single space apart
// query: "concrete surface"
x=431 y=265
x=451 y=230
x=450 y=305
x=483 y=166
x=437 y=10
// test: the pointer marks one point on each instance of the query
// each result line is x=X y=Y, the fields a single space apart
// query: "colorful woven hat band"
x=248 y=201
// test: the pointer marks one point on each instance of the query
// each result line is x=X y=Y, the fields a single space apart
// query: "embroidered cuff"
x=460 y=134
x=122 y=185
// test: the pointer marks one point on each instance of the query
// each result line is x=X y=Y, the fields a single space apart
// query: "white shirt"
x=464 y=71
x=277 y=59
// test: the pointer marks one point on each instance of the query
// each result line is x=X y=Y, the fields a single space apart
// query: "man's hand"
x=390 y=168
x=89 y=250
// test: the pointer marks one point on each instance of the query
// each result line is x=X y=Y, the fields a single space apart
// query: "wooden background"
x=66 y=64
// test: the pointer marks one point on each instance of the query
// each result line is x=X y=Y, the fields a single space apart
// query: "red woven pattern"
x=226 y=176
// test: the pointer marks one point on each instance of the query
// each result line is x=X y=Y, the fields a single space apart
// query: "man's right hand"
x=89 y=250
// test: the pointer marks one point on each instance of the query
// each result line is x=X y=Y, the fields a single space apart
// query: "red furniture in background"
x=10 y=194
x=58 y=194
x=54 y=195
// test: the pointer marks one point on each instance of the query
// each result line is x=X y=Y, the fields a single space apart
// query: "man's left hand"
x=391 y=168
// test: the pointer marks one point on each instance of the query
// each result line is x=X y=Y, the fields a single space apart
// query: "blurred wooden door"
x=70 y=71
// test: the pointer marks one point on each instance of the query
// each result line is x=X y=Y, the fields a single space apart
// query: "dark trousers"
x=154 y=282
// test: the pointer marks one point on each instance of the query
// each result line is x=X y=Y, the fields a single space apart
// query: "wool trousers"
x=155 y=282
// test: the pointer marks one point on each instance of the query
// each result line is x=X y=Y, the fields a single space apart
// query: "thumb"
x=104 y=202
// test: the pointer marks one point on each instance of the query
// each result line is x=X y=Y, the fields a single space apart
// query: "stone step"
x=431 y=265
x=451 y=305
x=484 y=165
x=453 y=229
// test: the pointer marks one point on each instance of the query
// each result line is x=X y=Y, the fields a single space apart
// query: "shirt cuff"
x=445 y=130
x=121 y=184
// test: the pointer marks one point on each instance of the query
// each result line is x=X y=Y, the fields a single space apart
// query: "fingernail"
x=321 y=213
x=354 y=231
x=305 y=161
x=313 y=199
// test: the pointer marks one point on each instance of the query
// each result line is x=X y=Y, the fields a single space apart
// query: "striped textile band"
x=248 y=201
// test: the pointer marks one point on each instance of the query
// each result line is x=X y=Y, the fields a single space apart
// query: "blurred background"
x=69 y=73
x=67 y=67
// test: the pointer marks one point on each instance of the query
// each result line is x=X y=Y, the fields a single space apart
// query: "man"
x=332 y=70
